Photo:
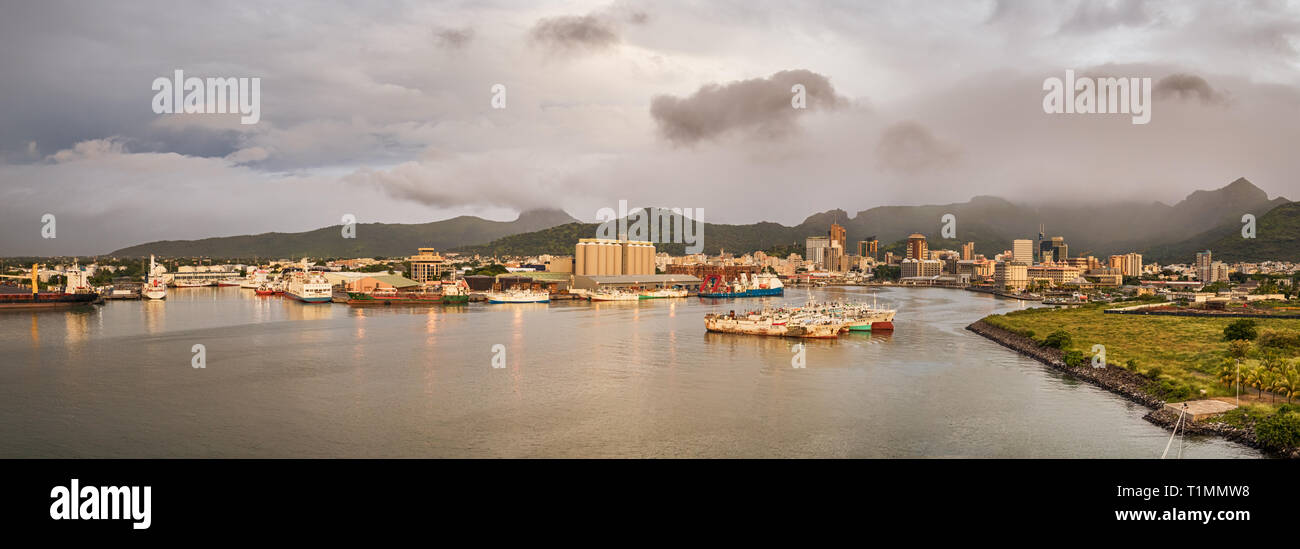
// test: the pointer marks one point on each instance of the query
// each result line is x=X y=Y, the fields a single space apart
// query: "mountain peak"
x=545 y=216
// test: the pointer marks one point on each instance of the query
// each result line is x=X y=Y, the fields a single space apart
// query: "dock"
x=1200 y=409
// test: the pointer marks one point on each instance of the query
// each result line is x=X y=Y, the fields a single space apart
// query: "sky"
x=384 y=110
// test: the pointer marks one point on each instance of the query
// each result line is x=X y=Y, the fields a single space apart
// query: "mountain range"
x=1164 y=233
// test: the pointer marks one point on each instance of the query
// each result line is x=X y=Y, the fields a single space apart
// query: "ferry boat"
x=518 y=296
x=613 y=295
x=662 y=293
x=309 y=287
x=153 y=286
x=759 y=285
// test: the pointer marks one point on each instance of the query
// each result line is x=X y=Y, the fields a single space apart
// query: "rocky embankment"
x=1120 y=381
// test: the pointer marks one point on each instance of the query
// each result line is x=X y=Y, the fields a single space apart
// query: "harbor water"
x=565 y=379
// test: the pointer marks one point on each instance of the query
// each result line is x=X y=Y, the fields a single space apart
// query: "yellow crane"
x=35 y=276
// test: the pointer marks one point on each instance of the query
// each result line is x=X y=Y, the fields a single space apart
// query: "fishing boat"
x=613 y=295
x=252 y=281
x=662 y=293
x=153 y=286
x=859 y=317
x=775 y=323
x=264 y=289
x=190 y=283
x=309 y=287
x=758 y=285
x=515 y=295
x=455 y=294
x=228 y=282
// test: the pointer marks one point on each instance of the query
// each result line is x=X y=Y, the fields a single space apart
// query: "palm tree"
x=1288 y=383
x=1228 y=373
x=1252 y=379
x=1267 y=380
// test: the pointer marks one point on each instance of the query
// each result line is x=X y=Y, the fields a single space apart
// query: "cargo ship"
x=393 y=297
x=758 y=285
x=15 y=297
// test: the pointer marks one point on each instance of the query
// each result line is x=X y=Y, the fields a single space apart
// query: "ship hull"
x=508 y=300
x=47 y=301
x=757 y=292
x=311 y=299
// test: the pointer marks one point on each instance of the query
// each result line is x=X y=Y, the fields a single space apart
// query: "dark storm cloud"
x=454 y=38
x=761 y=106
x=1187 y=86
x=574 y=32
x=908 y=148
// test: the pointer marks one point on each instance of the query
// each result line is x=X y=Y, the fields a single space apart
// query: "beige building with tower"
x=426 y=265
x=605 y=257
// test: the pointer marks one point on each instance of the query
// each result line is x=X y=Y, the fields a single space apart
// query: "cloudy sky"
x=384 y=110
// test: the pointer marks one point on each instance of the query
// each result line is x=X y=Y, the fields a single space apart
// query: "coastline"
x=1124 y=383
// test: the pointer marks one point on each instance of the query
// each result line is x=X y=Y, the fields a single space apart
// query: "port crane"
x=35 y=277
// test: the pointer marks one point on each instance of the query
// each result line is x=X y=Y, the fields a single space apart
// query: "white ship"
x=663 y=293
x=253 y=281
x=613 y=295
x=518 y=296
x=190 y=283
x=153 y=286
x=780 y=324
x=309 y=287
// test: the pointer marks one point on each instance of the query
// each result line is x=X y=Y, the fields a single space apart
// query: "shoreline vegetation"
x=1185 y=364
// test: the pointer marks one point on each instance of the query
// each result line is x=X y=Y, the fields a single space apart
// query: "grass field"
x=1189 y=350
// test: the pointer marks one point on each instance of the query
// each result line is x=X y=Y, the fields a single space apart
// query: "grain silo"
x=579 y=258
x=593 y=257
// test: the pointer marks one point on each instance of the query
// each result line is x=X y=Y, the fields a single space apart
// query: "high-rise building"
x=1056 y=245
x=815 y=249
x=869 y=247
x=426 y=265
x=1012 y=274
x=1204 y=267
x=916 y=247
x=1129 y=264
x=968 y=250
x=838 y=234
x=1022 y=250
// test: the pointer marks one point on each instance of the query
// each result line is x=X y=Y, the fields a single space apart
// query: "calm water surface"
x=639 y=379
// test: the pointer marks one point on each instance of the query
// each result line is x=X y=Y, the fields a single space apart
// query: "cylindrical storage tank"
x=645 y=260
x=619 y=260
x=602 y=261
x=610 y=258
x=579 y=256
x=592 y=256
